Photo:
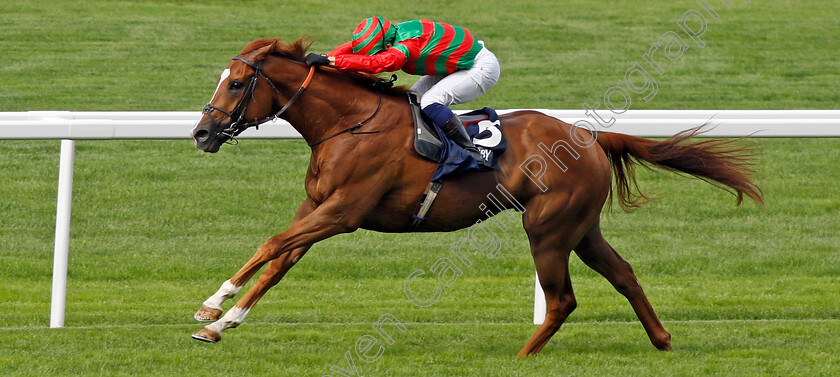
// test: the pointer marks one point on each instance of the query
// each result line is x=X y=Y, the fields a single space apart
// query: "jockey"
x=456 y=68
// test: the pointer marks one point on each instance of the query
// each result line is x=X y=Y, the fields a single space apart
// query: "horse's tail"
x=717 y=161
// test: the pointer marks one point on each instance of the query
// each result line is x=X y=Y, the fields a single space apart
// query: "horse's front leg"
x=272 y=275
x=325 y=221
x=211 y=309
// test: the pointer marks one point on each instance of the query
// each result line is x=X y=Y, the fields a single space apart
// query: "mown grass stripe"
x=479 y=324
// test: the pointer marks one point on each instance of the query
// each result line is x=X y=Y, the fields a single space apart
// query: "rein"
x=378 y=86
x=357 y=125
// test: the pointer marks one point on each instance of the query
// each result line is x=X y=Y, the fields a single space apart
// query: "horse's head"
x=244 y=97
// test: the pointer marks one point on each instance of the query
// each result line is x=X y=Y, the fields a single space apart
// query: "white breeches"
x=461 y=86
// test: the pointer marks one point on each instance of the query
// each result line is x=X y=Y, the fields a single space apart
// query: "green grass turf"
x=157 y=226
x=167 y=55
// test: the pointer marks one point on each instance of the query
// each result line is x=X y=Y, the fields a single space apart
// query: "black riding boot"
x=455 y=131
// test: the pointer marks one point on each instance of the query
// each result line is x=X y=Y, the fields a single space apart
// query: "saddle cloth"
x=483 y=126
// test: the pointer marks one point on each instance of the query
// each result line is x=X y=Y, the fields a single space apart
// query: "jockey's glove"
x=317 y=59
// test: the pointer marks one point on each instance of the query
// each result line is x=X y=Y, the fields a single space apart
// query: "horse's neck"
x=330 y=104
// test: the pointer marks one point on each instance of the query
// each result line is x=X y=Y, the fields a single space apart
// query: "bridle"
x=239 y=123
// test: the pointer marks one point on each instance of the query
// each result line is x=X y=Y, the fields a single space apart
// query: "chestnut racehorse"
x=370 y=177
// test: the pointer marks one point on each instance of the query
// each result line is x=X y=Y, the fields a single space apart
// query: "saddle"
x=484 y=128
x=427 y=142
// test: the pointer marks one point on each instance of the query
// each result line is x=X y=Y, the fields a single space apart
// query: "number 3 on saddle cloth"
x=483 y=126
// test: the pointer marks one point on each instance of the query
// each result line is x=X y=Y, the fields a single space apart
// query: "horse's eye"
x=235 y=85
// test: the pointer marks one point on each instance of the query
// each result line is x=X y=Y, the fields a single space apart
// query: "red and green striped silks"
x=372 y=35
x=446 y=48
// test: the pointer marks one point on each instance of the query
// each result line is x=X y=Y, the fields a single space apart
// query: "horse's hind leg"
x=553 y=270
x=552 y=239
x=594 y=250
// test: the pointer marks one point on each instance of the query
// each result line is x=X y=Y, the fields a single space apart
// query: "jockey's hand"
x=317 y=59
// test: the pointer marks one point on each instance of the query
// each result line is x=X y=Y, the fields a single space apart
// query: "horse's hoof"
x=207 y=314
x=207 y=335
x=663 y=344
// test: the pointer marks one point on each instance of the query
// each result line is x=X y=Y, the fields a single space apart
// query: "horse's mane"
x=296 y=51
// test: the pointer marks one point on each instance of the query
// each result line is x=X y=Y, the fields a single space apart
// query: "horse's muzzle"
x=206 y=141
x=206 y=138
x=201 y=136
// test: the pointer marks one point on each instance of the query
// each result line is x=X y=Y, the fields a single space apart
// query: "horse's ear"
x=260 y=52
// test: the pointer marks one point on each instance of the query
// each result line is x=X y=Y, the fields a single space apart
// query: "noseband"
x=237 y=116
